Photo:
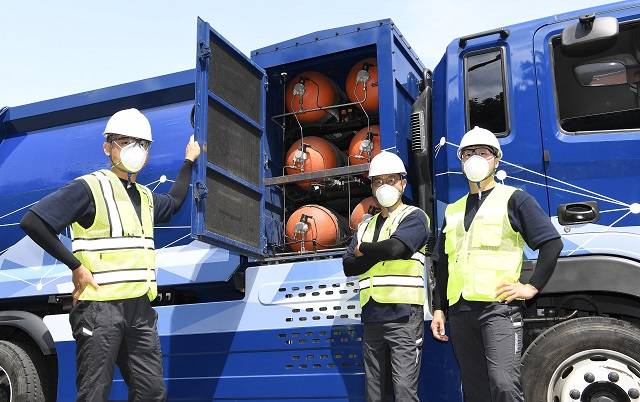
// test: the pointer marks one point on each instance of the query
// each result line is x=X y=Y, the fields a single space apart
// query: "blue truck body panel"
x=261 y=348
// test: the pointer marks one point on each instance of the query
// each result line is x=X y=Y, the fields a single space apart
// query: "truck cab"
x=561 y=94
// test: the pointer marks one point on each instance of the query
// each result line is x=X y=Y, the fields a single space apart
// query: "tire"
x=581 y=359
x=46 y=367
x=18 y=375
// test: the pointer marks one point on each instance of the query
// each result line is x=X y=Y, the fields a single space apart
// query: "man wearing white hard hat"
x=113 y=260
x=477 y=265
x=388 y=254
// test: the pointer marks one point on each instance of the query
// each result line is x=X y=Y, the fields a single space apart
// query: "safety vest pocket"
x=108 y=255
x=488 y=234
x=450 y=239
x=485 y=282
x=109 y=260
x=483 y=260
x=488 y=271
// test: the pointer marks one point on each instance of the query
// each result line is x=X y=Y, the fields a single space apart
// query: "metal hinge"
x=205 y=52
x=201 y=191
x=3 y=113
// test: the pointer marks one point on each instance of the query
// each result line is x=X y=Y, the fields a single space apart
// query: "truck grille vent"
x=417 y=132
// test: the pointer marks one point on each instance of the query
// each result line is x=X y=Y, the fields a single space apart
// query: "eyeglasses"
x=124 y=141
x=485 y=152
x=390 y=180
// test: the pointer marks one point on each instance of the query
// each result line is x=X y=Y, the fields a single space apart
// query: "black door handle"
x=578 y=213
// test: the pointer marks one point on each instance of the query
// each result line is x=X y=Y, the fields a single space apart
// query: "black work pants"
x=488 y=343
x=121 y=332
x=397 y=345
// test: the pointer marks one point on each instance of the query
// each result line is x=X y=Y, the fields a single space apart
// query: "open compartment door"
x=229 y=124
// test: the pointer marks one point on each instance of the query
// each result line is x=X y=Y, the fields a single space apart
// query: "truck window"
x=599 y=91
x=485 y=91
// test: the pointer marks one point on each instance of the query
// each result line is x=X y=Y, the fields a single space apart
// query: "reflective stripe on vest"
x=118 y=248
x=124 y=275
x=392 y=281
x=114 y=243
x=489 y=253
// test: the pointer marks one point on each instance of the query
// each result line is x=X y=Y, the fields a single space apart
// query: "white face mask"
x=476 y=168
x=387 y=195
x=132 y=157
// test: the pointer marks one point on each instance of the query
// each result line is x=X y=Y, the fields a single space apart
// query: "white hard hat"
x=386 y=163
x=480 y=136
x=130 y=123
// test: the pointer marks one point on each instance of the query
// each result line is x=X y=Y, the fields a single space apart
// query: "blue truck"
x=242 y=316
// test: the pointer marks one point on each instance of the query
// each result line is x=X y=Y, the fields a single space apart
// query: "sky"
x=56 y=48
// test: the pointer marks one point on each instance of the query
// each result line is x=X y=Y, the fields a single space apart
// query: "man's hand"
x=508 y=292
x=193 y=150
x=357 y=251
x=437 y=326
x=81 y=277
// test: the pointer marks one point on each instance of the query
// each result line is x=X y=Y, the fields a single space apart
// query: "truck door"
x=229 y=125
x=490 y=83
x=589 y=102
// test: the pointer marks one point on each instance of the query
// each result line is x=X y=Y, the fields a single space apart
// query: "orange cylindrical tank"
x=364 y=74
x=368 y=206
x=364 y=145
x=315 y=226
x=310 y=90
x=315 y=154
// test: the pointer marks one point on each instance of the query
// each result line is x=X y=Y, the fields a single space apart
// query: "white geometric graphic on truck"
x=501 y=175
x=66 y=239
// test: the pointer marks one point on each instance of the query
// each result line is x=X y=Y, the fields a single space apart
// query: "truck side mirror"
x=590 y=34
x=601 y=74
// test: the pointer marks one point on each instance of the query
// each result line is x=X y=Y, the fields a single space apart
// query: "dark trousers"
x=397 y=345
x=488 y=345
x=121 y=332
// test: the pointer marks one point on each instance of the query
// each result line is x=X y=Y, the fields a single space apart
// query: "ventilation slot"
x=417 y=132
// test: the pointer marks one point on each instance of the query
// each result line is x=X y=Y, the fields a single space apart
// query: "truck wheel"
x=592 y=359
x=46 y=367
x=19 y=381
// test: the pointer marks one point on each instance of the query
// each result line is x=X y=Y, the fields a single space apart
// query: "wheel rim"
x=5 y=386
x=596 y=375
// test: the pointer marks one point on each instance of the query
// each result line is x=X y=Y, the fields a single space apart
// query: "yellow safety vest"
x=118 y=248
x=490 y=252
x=392 y=281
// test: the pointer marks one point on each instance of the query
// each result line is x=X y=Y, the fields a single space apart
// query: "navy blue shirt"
x=74 y=203
x=413 y=231
x=525 y=216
